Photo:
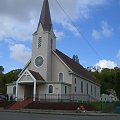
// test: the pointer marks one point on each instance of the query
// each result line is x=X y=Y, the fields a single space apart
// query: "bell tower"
x=44 y=41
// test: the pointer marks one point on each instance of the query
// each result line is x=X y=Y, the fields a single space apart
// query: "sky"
x=96 y=40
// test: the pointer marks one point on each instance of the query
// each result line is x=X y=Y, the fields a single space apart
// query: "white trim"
x=25 y=67
x=48 y=89
x=61 y=60
x=24 y=74
x=34 y=81
x=52 y=82
x=32 y=76
x=16 y=91
x=34 y=91
x=63 y=77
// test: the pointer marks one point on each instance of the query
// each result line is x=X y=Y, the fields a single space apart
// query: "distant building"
x=50 y=74
x=109 y=98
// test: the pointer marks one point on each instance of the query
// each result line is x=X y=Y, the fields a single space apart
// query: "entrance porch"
x=26 y=85
x=25 y=91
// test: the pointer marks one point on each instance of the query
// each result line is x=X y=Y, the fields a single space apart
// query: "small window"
x=50 y=88
x=95 y=91
x=51 y=43
x=91 y=90
x=75 y=89
x=65 y=89
x=75 y=80
x=87 y=88
x=14 y=90
x=39 y=42
x=60 y=77
x=81 y=86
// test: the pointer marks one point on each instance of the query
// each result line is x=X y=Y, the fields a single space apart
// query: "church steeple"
x=45 y=17
x=44 y=41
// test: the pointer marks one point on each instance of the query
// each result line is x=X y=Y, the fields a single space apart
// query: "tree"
x=1 y=69
x=75 y=58
x=8 y=78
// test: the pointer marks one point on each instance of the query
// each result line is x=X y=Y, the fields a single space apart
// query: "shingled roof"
x=74 y=66
x=36 y=75
x=45 y=18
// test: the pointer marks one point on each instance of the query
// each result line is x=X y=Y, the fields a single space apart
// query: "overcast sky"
x=97 y=20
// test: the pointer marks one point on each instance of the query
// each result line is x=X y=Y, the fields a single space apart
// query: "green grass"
x=103 y=107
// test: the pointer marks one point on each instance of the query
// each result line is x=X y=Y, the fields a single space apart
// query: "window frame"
x=91 y=90
x=39 y=40
x=49 y=89
x=65 y=90
x=75 y=89
x=59 y=77
x=82 y=87
x=95 y=91
x=75 y=80
x=87 y=87
x=51 y=43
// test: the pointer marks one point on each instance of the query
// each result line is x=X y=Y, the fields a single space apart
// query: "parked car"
x=2 y=98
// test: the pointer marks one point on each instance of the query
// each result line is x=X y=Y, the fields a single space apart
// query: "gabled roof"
x=45 y=17
x=36 y=75
x=28 y=63
x=74 y=66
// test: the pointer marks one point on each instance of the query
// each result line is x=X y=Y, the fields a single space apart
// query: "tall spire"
x=45 y=18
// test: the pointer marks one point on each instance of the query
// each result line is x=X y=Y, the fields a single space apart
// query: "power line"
x=82 y=35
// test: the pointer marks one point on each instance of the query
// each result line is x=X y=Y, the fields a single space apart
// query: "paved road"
x=29 y=116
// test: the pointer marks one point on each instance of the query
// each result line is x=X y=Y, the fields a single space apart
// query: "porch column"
x=34 y=91
x=16 y=97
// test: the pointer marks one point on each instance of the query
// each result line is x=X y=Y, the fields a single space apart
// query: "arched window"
x=14 y=90
x=65 y=89
x=87 y=88
x=81 y=86
x=91 y=90
x=50 y=89
x=60 y=77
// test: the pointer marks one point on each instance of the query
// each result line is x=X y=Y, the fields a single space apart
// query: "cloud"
x=59 y=35
x=79 y=9
x=105 y=32
x=14 y=30
x=118 y=54
x=96 y=35
x=20 y=53
x=19 y=18
x=106 y=64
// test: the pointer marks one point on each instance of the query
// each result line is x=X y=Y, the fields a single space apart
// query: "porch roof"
x=37 y=76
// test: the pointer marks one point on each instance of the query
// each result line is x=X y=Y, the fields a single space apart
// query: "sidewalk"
x=61 y=112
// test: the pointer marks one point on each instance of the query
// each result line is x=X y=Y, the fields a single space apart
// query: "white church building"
x=50 y=74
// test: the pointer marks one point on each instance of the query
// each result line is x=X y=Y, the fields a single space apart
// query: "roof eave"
x=84 y=78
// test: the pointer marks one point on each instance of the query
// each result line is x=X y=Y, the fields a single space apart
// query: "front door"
x=28 y=91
